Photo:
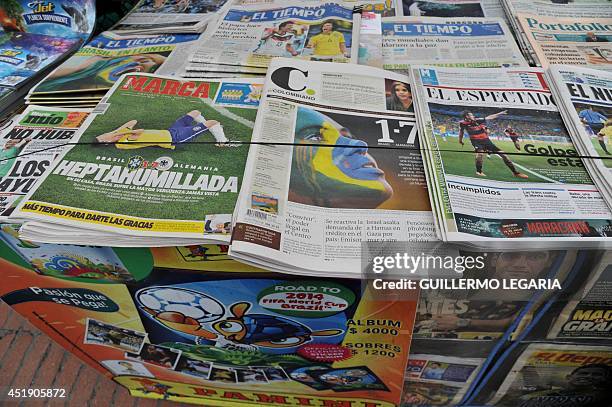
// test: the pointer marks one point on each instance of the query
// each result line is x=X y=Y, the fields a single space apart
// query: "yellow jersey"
x=327 y=44
x=148 y=138
x=606 y=131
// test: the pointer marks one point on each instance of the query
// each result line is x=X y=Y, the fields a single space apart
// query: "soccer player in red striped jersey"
x=514 y=136
x=478 y=132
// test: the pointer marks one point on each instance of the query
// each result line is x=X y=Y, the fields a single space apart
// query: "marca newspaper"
x=549 y=374
x=589 y=315
x=574 y=41
x=29 y=146
x=346 y=180
x=156 y=160
x=586 y=97
x=443 y=378
x=253 y=35
x=458 y=42
x=538 y=195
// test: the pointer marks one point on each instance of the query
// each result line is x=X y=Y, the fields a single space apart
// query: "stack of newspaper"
x=501 y=167
x=158 y=163
x=84 y=78
x=557 y=32
x=585 y=100
x=247 y=35
x=169 y=16
x=461 y=42
x=335 y=157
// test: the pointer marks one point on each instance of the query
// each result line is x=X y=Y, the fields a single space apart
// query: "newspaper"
x=574 y=41
x=453 y=8
x=586 y=9
x=547 y=375
x=169 y=16
x=585 y=100
x=95 y=68
x=589 y=314
x=253 y=35
x=437 y=380
x=502 y=167
x=160 y=160
x=344 y=159
x=459 y=42
x=29 y=146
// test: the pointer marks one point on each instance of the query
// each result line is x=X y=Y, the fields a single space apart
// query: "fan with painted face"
x=334 y=168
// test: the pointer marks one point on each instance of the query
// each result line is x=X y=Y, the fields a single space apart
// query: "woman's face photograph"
x=339 y=173
x=402 y=92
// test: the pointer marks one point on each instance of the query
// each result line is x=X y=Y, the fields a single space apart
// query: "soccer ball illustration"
x=189 y=303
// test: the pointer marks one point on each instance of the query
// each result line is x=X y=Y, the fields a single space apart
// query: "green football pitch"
x=156 y=113
x=608 y=161
x=460 y=160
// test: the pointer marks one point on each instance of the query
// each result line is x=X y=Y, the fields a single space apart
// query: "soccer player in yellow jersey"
x=183 y=130
x=603 y=133
x=328 y=44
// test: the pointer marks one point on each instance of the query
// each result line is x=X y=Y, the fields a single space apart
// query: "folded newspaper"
x=251 y=35
x=169 y=16
x=502 y=169
x=585 y=100
x=160 y=161
x=88 y=74
x=29 y=147
x=459 y=42
x=343 y=156
x=552 y=12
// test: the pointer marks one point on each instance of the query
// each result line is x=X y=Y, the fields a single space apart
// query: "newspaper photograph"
x=458 y=42
x=453 y=8
x=167 y=16
x=160 y=157
x=585 y=97
x=253 y=35
x=575 y=41
x=29 y=146
x=589 y=315
x=437 y=380
x=502 y=165
x=547 y=375
x=348 y=157
x=99 y=64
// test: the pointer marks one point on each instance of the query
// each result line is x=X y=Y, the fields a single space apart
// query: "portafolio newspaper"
x=585 y=97
x=341 y=161
x=253 y=35
x=501 y=165
x=589 y=314
x=573 y=41
x=160 y=161
x=552 y=374
x=29 y=146
x=459 y=42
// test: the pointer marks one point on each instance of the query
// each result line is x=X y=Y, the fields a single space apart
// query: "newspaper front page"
x=437 y=380
x=574 y=41
x=155 y=160
x=453 y=8
x=502 y=166
x=253 y=35
x=457 y=42
x=547 y=375
x=589 y=316
x=29 y=146
x=585 y=97
x=347 y=159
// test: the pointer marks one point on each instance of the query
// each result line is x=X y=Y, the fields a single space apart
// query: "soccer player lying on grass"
x=183 y=130
x=479 y=137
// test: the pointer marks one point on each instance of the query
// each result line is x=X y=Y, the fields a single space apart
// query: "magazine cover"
x=57 y=18
x=156 y=159
x=29 y=146
x=98 y=65
x=22 y=55
x=547 y=375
